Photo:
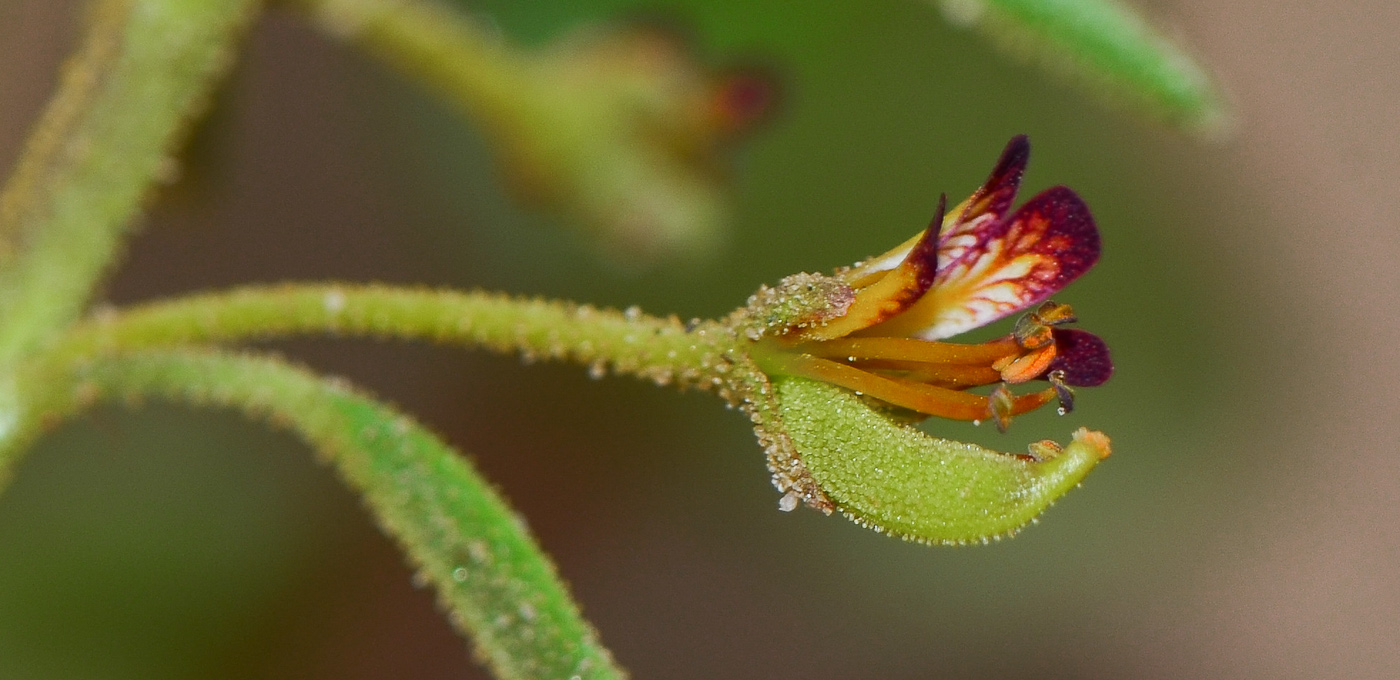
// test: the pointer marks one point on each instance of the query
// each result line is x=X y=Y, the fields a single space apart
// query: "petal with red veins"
x=1083 y=357
x=994 y=197
x=1002 y=267
x=896 y=291
x=990 y=201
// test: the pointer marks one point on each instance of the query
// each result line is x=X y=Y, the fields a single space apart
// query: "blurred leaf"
x=461 y=536
x=144 y=71
x=1107 y=45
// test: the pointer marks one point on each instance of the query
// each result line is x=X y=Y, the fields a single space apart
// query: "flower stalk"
x=629 y=342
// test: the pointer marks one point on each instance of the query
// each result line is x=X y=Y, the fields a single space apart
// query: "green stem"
x=630 y=342
x=461 y=536
x=145 y=69
x=709 y=355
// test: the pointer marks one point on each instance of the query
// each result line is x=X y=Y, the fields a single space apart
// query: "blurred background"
x=1247 y=525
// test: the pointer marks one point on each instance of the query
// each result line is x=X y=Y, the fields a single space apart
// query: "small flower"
x=625 y=131
x=620 y=128
x=882 y=333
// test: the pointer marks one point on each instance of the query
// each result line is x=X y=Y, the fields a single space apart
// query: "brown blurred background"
x=1248 y=525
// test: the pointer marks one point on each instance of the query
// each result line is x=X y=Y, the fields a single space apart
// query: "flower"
x=623 y=130
x=882 y=332
x=619 y=128
x=837 y=366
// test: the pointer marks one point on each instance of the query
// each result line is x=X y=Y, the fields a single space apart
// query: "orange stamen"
x=912 y=349
x=1027 y=366
x=927 y=399
x=952 y=376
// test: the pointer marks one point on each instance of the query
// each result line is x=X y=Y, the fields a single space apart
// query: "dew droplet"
x=334 y=301
x=459 y=574
x=1061 y=410
x=168 y=171
x=598 y=370
x=963 y=13
x=632 y=313
x=976 y=422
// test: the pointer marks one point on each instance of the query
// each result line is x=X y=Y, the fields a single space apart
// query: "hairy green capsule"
x=893 y=478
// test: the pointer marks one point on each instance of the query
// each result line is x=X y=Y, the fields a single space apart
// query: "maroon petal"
x=741 y=99
x=1001 y=267
x=1083 y=357
x=994 y=197
x=982 y=209
x=1057 y=222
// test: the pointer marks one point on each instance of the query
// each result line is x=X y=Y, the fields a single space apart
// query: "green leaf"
x=145 y=69
x=1107 y=45
x=462 y=537
x=897 y=480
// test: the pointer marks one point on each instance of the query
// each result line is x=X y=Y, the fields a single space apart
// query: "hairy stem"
x=628 y=342
x=461 y=536
x=145 y=69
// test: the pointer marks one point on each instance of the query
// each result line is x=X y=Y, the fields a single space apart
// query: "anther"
x=1032 y=330
x=1030 y=333
x=1019 y=369
x=1043 y=450
x=999 y=406
x=1062 y=391
x=1052 y=313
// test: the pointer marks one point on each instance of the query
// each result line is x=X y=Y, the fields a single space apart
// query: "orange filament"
x=927 y=399
x=912 y=349
x=952 y=376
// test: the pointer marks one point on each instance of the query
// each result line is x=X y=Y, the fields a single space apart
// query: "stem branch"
x=660 y=349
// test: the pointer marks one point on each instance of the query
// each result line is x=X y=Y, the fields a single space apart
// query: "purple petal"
x=1083 y=357
x=1001 y=267
x=994 y=197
